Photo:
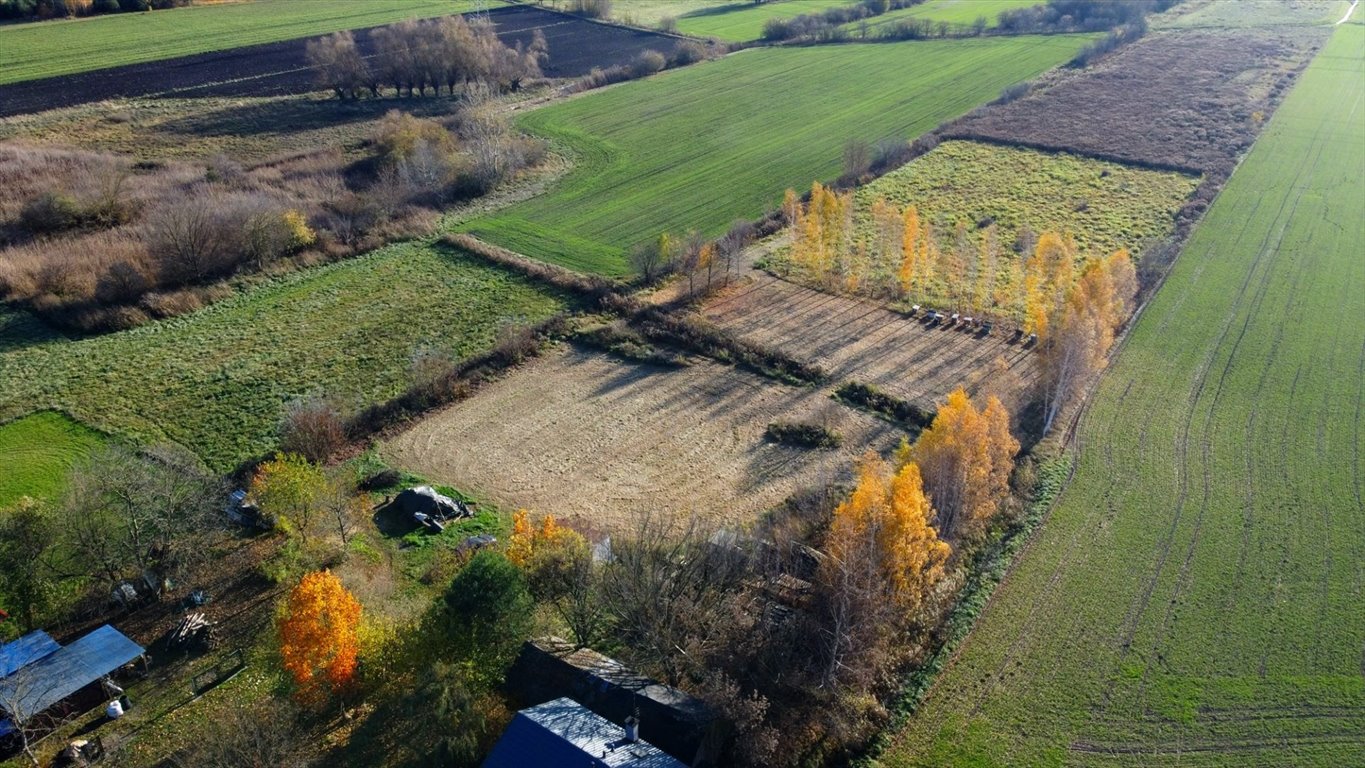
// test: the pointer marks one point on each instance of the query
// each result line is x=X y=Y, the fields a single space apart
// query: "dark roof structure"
x=564 y=732
x=549 y=668
x=43 y=682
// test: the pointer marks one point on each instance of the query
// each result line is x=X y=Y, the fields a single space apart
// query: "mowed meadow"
x=700 y=147
x=30 y=51
x=1195 y=597
x=216 y=381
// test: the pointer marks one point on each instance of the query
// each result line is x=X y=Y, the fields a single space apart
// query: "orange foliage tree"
x=319 y=631
x=966 y=457
x=1083 y=332
x=887 y=517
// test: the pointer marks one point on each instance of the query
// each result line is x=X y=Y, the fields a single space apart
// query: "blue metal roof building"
x=564 y=732
x=48 y=675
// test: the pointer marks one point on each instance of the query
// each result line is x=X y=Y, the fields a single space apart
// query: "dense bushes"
x=1080 y=15
x=414 y=56
x=802 y=435
x=870 y=398
x=825 y=26
x=648 y=62
x=55 y=9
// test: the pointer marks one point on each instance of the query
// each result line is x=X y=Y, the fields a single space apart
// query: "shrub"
x=50 y=213
x=687 y=52
x=313 y=428
x=592 y=9
x=486 y=612
x=803 y=435
x=647 y=63
x=870 y=398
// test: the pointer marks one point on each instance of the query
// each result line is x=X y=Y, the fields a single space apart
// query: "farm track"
x=1194 y=595
x=275 y=69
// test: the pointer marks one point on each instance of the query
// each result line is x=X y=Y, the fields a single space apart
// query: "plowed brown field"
x=858 y=340
x=601 y=442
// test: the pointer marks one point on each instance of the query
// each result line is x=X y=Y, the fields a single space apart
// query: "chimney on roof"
x=633 y=728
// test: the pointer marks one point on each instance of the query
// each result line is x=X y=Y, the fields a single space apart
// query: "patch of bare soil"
x=858 y=340
x=601 y=442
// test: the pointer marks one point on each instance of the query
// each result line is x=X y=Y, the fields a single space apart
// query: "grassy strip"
x=50 y=48
x=216 y=381
x=698 y=147
x=1194 y=566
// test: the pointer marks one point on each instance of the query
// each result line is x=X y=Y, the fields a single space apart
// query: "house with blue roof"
x=565 y=733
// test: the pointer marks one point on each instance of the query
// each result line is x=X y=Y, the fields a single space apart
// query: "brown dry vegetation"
x=859 y=340
x=182 y=228
x=599 y=442
x=1183 y=100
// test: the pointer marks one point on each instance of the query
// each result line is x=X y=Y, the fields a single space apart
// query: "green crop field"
x=744 y=21
x=702 y=146
x=39 y=451
x=958 y=12
x=49 y=48
x=1195 y=597
x=1104 y=206
x=215 y=381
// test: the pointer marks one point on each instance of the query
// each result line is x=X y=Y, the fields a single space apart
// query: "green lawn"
x=215 y=381
x=38 y=451
x=1104 y=206
x=957 y=12
x=1195 y=597
x=702 y=146
x=741 y=21
x=45 y=49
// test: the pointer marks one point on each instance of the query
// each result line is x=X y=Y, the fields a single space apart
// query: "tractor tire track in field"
x=1143 y=600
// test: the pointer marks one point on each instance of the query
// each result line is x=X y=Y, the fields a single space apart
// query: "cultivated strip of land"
x=50 y=48
x=603 y=443
x=702 y=146
x=1194 y=599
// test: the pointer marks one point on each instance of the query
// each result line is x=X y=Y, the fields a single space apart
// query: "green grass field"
x=956 y=12
x=39 y=450
x=742 y=21
x=215 y=381
x=49 y=48
x=1216 y=14
x=1195 y=597
x=1104 y=206
x=702 y=146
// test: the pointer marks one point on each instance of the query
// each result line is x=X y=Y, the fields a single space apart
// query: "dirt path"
x=1349 y=11
x=601 y=442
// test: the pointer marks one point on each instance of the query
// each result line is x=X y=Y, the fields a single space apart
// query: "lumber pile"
x=193 y=633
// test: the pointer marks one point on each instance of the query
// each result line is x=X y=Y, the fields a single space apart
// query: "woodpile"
x=193 y=633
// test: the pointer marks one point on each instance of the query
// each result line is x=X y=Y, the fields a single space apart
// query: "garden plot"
x=602 y=443
x=859 y=340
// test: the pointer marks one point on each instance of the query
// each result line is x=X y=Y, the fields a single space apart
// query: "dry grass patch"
x=600 y=442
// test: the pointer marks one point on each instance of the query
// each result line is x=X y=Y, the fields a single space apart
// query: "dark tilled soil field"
x=576 y=46
x=1188 y=100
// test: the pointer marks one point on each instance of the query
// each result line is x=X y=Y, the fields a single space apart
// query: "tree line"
x=412 y=57
x=57 y=9
x=1074 y=305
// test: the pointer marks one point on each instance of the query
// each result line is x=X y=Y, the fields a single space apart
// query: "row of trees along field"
x=1074 y=306
x=414 y=56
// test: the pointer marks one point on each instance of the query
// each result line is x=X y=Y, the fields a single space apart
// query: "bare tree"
x=127 y=511
x=339 y=66
x=312 y=427
x=24 y=696
x=673 y=599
